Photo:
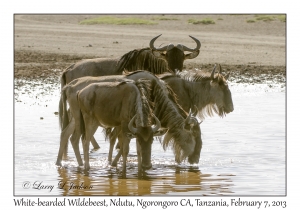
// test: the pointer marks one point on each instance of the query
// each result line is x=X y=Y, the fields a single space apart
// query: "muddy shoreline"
x=33 y=65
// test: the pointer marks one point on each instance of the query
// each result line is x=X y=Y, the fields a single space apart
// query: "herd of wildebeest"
x=143 y=94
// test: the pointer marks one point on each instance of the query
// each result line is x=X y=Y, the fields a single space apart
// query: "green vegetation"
x=267 y=18
x=281 y=18
x=220 y=18
x=251 y=21
x=116 y=21
x=164 y=18
x=204 y=21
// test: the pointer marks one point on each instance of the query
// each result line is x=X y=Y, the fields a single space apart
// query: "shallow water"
x=243 y=153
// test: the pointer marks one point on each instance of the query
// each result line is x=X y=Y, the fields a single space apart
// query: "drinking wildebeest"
x=183 y=130
x=113 y=104
x=203 y=92
x=156 y=60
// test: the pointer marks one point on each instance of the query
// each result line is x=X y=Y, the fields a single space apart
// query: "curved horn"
x=213 y=72
x=187 y=120
x=220 y=71
x=195 y=49
x=191 y=120
x=130 y=125
x=151 y=44
x=195 y=111
x=157 y=124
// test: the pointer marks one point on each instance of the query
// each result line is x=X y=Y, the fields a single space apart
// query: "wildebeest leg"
x=90 y=128
x=94 y=143
x=64 y=137
x=114 y=163
x=138 y=151
x=125 y=153
x=124 y=140
x=75 y=144
x=67 y=132
x=111 y=147
x=112 y=140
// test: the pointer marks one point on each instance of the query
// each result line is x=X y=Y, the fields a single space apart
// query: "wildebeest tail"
x=112 y=134
x=62 y=110
x=63 y=80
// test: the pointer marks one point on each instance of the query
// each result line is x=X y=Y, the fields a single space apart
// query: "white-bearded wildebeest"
x=209 y=93
x=156 y=60
x=183 y=130
x=112 y=104
x=205 y=93
x=121 y=104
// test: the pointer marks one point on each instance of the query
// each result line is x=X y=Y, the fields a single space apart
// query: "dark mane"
x=170 y=112
x=147 y=106
x=144 y=88
x=170 y=93
x=142 y=59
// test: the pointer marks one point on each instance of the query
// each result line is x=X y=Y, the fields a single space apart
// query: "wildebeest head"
x=185 y=138
x=174 y=55
x=220 y=92
x=193 y=126
x=144 y=137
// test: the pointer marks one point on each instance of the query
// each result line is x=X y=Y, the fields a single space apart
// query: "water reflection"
x=237 y=158
x=163 y=180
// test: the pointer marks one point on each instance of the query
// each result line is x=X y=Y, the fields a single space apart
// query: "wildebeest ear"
x=159 y=54
x=192 y=55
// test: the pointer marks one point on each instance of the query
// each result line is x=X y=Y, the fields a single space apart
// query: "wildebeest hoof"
x=58 y=163
x=146 y=167
x=96 y=148
x=114 y=164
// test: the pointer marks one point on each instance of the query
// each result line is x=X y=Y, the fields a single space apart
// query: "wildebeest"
x=168 y=58
x=174 y=55
x=156 y=60
x=123 y=104
x=209 y=93
x=183 y=130
x=204 y=93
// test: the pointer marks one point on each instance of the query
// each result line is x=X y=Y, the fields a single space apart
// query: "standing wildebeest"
x=156 y=60
x=208 y=93
x=109 y=104
x=183 y=130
